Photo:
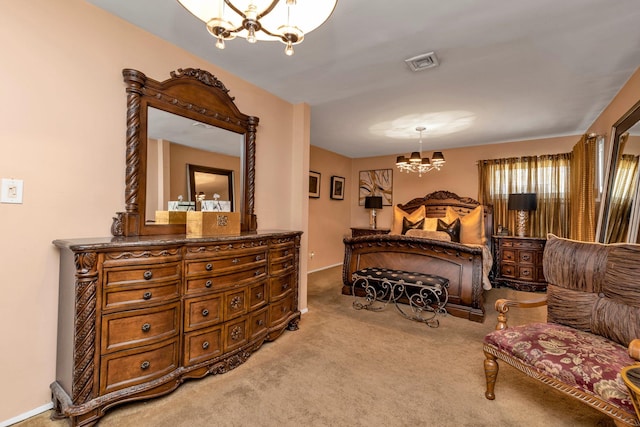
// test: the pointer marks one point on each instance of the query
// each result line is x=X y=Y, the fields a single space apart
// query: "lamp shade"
x=373 y=202
x=522 y=202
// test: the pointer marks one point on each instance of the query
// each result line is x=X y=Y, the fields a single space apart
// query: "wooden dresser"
x=518 y=263
x=139 y=315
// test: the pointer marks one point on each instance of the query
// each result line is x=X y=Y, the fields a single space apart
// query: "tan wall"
x=328 y=219
x=63 y=133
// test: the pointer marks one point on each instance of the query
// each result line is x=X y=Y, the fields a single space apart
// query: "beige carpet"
x=358 y=368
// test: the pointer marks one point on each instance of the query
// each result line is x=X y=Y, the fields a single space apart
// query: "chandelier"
x=283 y=20
x=417 y=163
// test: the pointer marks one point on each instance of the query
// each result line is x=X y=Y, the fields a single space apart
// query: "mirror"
x=171 y=123
x=620 y=213
x=174 y=144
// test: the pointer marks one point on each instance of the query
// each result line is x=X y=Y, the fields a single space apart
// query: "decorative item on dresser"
x=365 y=231
x=141 y=312
x=518 y=263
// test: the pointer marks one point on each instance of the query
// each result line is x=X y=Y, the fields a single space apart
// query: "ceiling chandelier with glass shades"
x=418 y=164
x=286 y=21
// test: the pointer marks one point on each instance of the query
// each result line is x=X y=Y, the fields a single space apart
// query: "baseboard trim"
x=26 y=415
x=324 y=268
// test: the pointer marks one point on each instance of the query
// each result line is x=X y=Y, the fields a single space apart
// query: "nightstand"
x=518 y=263
x=365 y=231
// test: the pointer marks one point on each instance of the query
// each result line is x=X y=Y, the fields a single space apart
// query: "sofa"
x=592 y=328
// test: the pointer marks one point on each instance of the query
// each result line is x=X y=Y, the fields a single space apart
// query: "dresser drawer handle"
x=147 y=295
x=259 y=295
x=257 y=273
x=205 y=312
x=526 y=257
x=205 y=345
x=284 y=308
x=235 y=261
x=285 y=285
x=526 y=273
x=208 y=284
x=286 y=252
x=508 y=256
x=260 y=322
x=145 y=365
x=148 y=274
x=258 y=257
x=146 y=327
x=208 y=267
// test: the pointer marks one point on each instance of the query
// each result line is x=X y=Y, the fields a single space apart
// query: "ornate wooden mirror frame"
x=195 y=94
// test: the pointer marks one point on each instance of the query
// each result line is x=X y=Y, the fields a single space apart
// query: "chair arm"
x=634 y=349
x=502 y=307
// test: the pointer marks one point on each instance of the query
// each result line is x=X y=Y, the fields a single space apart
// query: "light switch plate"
x=11 y=190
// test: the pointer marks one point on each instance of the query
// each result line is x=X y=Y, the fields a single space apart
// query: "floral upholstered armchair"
x=592 y=329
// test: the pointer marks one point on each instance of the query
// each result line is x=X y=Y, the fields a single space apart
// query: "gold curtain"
x=547 y=176
x=621 y=198
x=583 y=190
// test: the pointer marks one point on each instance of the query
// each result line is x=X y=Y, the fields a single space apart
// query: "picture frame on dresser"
x=314 y=184
x=337 y=187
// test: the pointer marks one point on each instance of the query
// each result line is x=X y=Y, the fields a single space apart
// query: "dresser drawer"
x=526 y=272
x=280 y=310
x=235 y=303
x=130 y=296
x=202 y=345
x=526 y=257
x=529 y=244
x=202 y=312
x=508 y=271
x=259 y=322
x=139 y=327
x=235 y=334
x=508 y=255
x=258 y=295
x=226 y=265
x=279 y=286
x=282 y=266
x=281 y=251
x=129 y=258
x=143 y=274
x=132 y=367
x=208 y=284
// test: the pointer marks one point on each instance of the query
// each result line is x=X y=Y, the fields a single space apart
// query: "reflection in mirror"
x=211 y=184
x=175 y=142
x=620 y=213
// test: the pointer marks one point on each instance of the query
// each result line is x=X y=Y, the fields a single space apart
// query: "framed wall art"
x=378 y=182
x=314 y=184
x=337 y=187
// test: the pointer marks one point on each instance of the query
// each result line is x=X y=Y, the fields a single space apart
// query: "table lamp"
x=522 y=203
x=373 y=203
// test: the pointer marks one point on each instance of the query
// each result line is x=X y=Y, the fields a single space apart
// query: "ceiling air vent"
x=422 y=62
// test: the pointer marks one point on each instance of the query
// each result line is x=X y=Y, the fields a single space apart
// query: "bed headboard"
x=436 y=206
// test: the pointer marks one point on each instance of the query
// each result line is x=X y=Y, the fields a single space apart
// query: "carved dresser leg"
x=491 y=373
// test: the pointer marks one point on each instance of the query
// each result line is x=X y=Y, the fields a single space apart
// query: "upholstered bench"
x=423 y=293
x=593 y=322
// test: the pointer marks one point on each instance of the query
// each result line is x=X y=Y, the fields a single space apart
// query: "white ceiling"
x=509 y=70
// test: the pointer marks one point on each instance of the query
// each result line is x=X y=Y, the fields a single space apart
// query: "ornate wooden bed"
x=465 y=266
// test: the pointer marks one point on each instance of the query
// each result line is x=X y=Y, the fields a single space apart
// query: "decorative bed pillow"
x=430 y=224
x=452 y=229
x=430 y=234
x=399 y=215
x=408 y=225
x=471 y=226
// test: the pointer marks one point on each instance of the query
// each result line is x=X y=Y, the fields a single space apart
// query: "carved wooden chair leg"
x=490 y=373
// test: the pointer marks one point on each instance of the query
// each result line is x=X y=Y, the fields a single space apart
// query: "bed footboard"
x=460 y=264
